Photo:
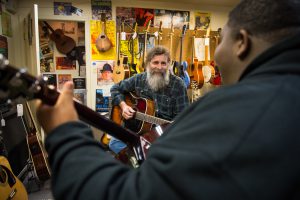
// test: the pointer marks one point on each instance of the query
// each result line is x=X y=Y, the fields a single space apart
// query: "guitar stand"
x=29 y=178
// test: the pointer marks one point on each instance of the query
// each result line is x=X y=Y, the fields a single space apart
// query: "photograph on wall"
x=64 y=63
x=126 y=15
x=62 y=78
x=6 y=24
x=169 y=17
x=51 y=79
x=62 y=8
x=202 y=20
x=102 y=102
x=80 y=95
x=99 y=7
x=143 y=16
x=3 y=46
x=79 y=83
x=104 y=71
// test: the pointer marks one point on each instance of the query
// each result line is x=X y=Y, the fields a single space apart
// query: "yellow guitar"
x=10 y=186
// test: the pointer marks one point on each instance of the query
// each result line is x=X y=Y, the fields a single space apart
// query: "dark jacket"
x=237 y=142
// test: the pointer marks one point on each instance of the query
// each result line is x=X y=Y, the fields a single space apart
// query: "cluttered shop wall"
x=83 y=13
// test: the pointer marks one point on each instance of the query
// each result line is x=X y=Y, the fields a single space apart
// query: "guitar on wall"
x=143 y=58
x=207 y=69
x=36 y=149
x=118 y=71
x=10 y=186
x=172 y=64
x=64 y=44
x=197 y=69
x=103 y=43
x=16 y=84
x=183 y=65
x=133 y=66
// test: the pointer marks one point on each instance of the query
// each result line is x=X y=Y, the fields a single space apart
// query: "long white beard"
x=157 y=81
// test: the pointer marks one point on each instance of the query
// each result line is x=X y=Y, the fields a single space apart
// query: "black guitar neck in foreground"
x=17 y=84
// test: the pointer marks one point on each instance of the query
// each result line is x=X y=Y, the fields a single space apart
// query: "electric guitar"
x=103 y=43
x=16 y=84
x=183 y=65
x=143 y=58
x=64 y=44
x=10 y=186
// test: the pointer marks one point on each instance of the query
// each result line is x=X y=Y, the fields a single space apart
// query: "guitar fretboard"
x=151 y=119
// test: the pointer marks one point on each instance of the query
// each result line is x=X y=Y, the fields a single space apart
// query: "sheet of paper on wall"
x=200 y=49
x=104 y=74
x=80 y=95
x=103 y=103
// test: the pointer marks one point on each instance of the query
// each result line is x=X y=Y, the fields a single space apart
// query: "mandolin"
x=64 y=44
x=103 y=43
x=17 y=84
x=10 y=186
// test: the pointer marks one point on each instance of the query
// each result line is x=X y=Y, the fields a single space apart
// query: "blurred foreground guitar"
x=17 y=84
x=10 y=186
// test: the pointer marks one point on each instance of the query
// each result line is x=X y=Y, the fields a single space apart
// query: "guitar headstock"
x=148 y=26
x=16 y=85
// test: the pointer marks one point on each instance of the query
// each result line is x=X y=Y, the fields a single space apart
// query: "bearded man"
x=167 y=91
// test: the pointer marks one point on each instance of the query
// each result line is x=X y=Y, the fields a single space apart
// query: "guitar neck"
x=151 y=119
x=48 y=26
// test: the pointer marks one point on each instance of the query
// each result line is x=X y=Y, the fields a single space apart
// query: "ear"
x=244 y=44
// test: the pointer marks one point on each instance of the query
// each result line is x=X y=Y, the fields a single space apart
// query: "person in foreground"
x=240 y=141
x=167 y=91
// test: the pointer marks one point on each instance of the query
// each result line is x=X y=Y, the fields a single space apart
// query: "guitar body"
x=64 y=44
x=198 y=74
x=119 y=71
x=140 y=104
x=10 y=186
x=184 y=74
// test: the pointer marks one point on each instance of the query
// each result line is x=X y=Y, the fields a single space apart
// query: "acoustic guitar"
x=172 y=64
x=16 y=84
x=119 y=71
x=207 y=69
x=197 y=66
x=36 y=149
x=10 y=186
x=103 y=43
x=144 y=119
x=134 y=39
x=64 y=44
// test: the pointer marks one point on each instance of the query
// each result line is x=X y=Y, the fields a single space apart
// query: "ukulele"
x=143 y=58
x=119 y=71
x=10 y=186
x=64 y=44
x=16 y=84
x=103 y=43
x=182 y=69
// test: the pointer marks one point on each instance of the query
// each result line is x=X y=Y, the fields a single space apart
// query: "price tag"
x=19 y=110
x=123 y=35
x=2 y=122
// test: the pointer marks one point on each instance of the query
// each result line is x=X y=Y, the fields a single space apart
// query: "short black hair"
x=272 y=20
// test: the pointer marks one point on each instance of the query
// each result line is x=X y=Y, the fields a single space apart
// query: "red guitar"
x=17 y=84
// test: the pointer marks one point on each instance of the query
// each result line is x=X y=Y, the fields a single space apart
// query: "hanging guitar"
x=64 y=44
x=207 y=69
x=143 y=58
x=103 y=43
x=16 y=85
x=197 y=69
x=183 y=65
x=10 y=186
x=172 y=64
x=119 y=71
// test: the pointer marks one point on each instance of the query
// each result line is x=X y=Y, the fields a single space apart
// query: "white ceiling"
x=229 y=3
